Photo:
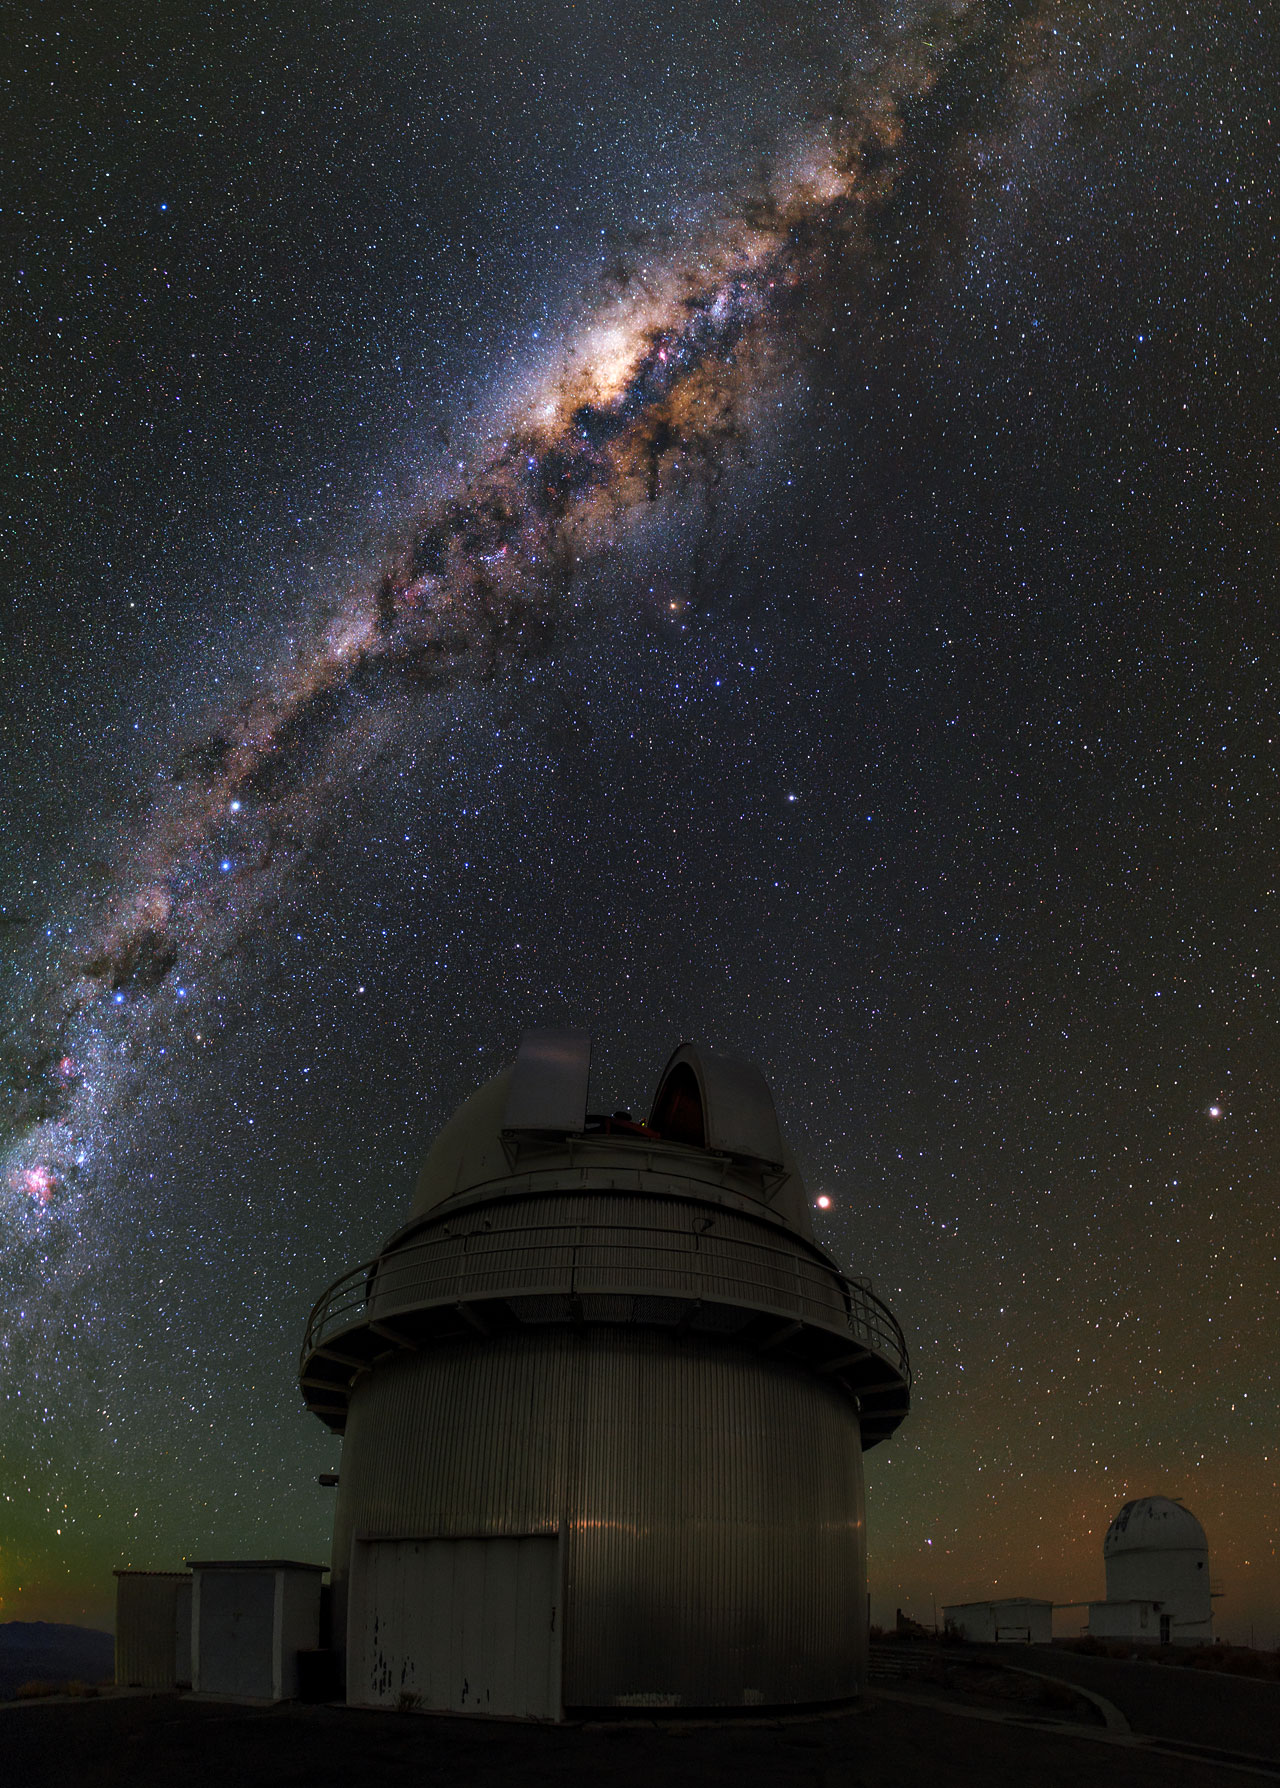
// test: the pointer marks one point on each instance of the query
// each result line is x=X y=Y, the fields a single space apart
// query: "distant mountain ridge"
x=49 y=1651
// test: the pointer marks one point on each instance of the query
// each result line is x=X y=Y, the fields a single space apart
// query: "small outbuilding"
x=153 y=1629
x=249 y=1620
x=1017 y=1620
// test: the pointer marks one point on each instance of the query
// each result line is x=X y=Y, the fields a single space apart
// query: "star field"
x=915 y=735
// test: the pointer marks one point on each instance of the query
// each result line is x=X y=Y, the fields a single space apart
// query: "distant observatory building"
x=1157 y=1564
x=604 y=1402
x=1158 y=1587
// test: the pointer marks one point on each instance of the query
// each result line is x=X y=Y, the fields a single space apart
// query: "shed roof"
x=1000 y=1602
x=253 y=1564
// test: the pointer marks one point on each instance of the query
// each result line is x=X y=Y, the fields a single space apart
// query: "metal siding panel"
x=536 y=1627
x=467 y=1622
x=149 y=1648
x=444 y=1622
x=182 y=1633
x=712 y=1502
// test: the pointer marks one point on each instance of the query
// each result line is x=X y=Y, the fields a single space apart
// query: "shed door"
x=461 y=1626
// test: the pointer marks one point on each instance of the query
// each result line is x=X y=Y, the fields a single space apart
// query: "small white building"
x=1156 y=1557
x=249 y=1620
x=1017 y=1620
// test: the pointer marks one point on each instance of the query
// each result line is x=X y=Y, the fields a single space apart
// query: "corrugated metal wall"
x=461 y=1626
x=152 y=1649
x=711 y=1502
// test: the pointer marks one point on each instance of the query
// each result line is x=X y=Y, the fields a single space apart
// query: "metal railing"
x=576 y=1259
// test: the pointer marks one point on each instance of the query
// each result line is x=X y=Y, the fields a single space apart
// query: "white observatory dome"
x=1156 y=1558
x=1154 y=1524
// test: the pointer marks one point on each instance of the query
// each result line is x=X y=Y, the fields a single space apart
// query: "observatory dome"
x=712 y=1117
x=1156 y=1558
x=604 y=1401
x=468 y=1152
x=1154 y=1524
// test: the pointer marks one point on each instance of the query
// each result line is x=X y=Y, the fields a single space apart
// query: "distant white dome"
x=1154 y=1524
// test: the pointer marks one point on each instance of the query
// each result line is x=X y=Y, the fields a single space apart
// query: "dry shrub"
x=37 y=1690
x=1233 y=1660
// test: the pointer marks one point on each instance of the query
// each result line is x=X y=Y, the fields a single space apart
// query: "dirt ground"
x=164 y=1742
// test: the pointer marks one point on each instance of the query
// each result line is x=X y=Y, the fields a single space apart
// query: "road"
x=1202 y=1707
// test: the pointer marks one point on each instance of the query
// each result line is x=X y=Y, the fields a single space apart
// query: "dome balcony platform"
x=518 y=1259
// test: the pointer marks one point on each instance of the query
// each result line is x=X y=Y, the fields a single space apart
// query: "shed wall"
x=234 y=1634
x=710 y=1501
x=182 y=1634
x=297 y=1627
x=150 y=1607
x=975 y=1622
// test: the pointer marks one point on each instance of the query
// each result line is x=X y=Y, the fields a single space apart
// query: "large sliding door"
x=461 y=1626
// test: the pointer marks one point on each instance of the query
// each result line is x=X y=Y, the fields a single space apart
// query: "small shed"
x=1016 y=1620
x=153 y=1629
x=249 y=1620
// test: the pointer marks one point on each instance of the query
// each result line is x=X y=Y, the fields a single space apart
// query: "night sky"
x=733 y=521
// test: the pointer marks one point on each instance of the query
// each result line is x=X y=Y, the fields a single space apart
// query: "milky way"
x=658 y=394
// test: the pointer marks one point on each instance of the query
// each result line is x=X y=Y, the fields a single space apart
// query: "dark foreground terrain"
x=1201 y=1707
x=44 y=1651
x=136 y=1741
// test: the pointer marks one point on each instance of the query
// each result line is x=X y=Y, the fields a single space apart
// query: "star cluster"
x=743 y=526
